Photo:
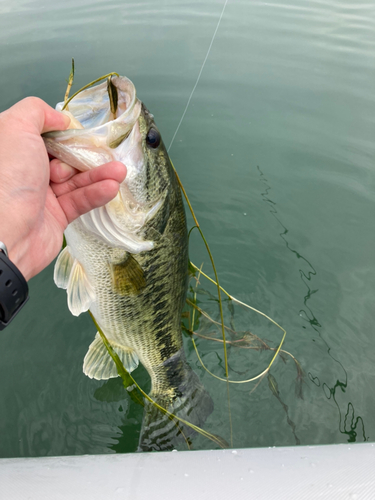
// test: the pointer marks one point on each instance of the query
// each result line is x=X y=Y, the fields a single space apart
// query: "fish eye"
x=153 y=138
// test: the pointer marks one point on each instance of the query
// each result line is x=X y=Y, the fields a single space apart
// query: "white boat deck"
x=344 y=472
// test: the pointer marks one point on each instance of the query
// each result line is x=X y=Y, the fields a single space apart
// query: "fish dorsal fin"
x=127 y=276
x=63 y=268
x=80 y=292
x=98 y=363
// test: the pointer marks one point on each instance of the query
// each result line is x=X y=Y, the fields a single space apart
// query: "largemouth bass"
x=127 y=262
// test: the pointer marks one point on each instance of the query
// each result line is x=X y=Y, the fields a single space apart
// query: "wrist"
x=16 y=248
x=17 y=258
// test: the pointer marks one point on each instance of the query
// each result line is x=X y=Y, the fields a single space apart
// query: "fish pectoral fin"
x=98 y=363
x=63 y=268
x=70 y=275
x=128 y=277
x=80 y=292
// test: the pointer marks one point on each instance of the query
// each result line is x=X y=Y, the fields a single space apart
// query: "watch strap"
x=14 y=291
x=3 y=248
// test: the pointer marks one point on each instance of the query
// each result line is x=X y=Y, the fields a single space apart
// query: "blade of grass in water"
x=236 y=300
x=70 y=83
x=240 y=345
x=131 y=385
x=213 y=267
x=278 y=349
x=127 y=379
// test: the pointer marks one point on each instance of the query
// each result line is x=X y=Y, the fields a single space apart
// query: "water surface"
x=276 y=151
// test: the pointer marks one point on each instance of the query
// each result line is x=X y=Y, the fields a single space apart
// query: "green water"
x=276 y=150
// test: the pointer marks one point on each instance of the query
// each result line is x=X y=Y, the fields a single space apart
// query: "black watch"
x=14 y=292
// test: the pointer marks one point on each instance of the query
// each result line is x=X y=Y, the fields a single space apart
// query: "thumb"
x=37 y=116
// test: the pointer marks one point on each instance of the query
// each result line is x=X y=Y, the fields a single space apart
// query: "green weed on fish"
x=70 y=83
x=137 y=394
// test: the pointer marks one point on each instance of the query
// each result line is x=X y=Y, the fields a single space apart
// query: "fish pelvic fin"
x=127 y=277
x=70 y=275
x=192 y=403
x=99 y=365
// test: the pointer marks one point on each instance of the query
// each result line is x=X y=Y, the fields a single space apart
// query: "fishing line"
x=199 y=76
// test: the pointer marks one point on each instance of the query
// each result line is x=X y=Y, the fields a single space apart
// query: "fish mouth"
x=100 y=130
x=92 y=107
x=107 y=133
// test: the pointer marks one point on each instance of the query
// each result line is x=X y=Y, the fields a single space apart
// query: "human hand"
x=39 y=198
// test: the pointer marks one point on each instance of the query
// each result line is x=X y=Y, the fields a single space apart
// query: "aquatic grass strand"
x=278 y=350
x=129 y=381
x=226 y=380
x=253 y=309
x=218 y=292
x=238 y=301
x=70 y=83
x=212 y=263
x=235 y=342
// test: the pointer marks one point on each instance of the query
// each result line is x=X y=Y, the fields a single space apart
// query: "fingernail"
x=67 y=119
x=74 y=123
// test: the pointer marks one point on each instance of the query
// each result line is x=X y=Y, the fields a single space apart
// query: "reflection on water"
x=273 y=386
x=348 y=422
x=58 y=424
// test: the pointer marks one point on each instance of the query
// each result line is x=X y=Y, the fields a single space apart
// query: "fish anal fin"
x=128 y=277
x=99 y=365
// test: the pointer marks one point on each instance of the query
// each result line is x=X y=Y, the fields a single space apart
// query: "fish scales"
x=149 y=323
x=127 y=262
